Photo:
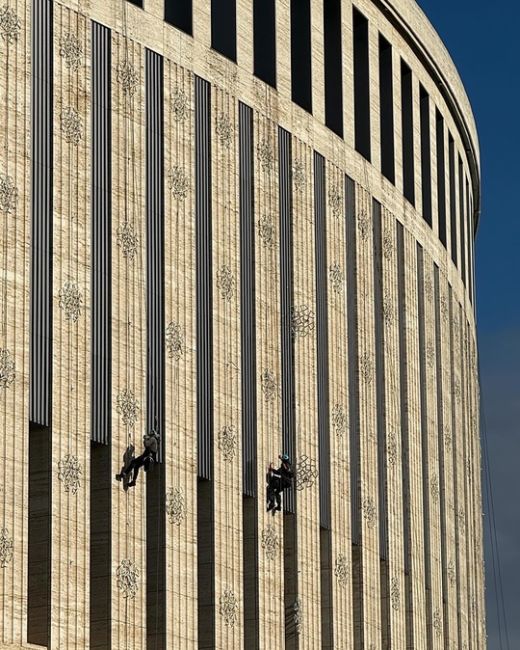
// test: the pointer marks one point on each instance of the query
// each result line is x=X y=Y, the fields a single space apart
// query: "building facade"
x=250 y=226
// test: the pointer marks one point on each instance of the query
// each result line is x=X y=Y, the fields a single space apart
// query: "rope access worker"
x=146 y=459
x=278 y=480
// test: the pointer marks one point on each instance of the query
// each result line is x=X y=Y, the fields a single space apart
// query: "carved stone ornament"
x=228 y=608
x=306 y=473
x=457 y=391
x=428 y=289
x=437 y=622
x=69 y=473
x=174 y=341
x=395 y=594
x=265 y=153
x=6 y=548
x=226 y=283
x=175 y=505
x=387 y=245
x=267 y=231
x=179 y=105
x=336 y=202
x=303 y=320
x=128 y=407
x=9 y=24
x=338 y=418
x=297 y=615
x=336 y=277
x=447 y=437
x=127 y=575
x=298 y=174
x=342 y=570
x=227 y=442
x=450 y=570
x=391 y=449
x=434 y=487
x=429 y=353
x=224 y=129
x=461 y=518
x=7 y=368
x=127 y=240
x=128 y=77
x=71 y=125
x=366 y=368
x=179 y=183
x=71 y=51
x=8 y=194
x=388 y=309
x=444 y=308
x=363 y=225
x=270 y=542
x=369 y=511
x=71 y=301
x=269 y=386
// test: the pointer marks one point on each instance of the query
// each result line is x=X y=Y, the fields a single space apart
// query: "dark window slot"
x=361 y=85
x=407 y=133
x=205 y=564
x=264 y=40
x=224 y=27
x=179 y=13
x=386 y=109
x=441 y=177
x=301 y=81
x=333 y=66
x=453 y=203
x=426 y=175
x=462 y=222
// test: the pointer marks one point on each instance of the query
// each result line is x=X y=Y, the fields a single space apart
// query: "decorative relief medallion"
x=69 y=473
x=391 y=449
x=428 y=289
x=297 y=615
x=341 y=569
x=226 y=283
x=388 y=309
x=298 y=174
x=224 y=129
x=128 y=407
x=302 y=320
x=461 y=519
x=437 y=622
x=127 y=240
x=175 y=505
x=366 y=368
x=336 y=202
x=128 y=77
x=457 y=392
x=227 y=442
x=179 y=184
x=228 y=607
x=9 y=24
x=363 y=225
x=429 y=353
x=306 y=473
x=71 y=300
x=447 y=437
x=6 y=548
x=336 y=277
x=270 y=542
x=369 y=511
x=387 y=245
x=8 y=194
x=267 y=231
x=444 y=308
x=71 y=125
x=7 y=368
x=450 y=570
x=174 y=341
x=71 y=51
x=338 y=418
x=269 y=386
x=265 y=153
x=395 y=594
x=434 y=487
x=127 y=575
x=179 y=105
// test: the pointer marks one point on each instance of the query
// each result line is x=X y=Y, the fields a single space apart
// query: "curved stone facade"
x=186 y=248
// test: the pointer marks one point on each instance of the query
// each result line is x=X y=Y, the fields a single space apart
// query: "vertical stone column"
x=71 y=333
x=180 y=463
x=227 y=447
x=15 y=229
x=128 y=341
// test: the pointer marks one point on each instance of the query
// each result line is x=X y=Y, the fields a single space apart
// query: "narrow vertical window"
x=462 y=222
x=441 y=176
x=179 y=13
x=224 y=27
x=301 y=81
x=407 y=133
x=453 y=199
x=333 y=66
x=469 y=235
x=264 y=38
x=155 y=411
x=137 y=3
x=386 y=109
x=426 y=174
x=361 y=85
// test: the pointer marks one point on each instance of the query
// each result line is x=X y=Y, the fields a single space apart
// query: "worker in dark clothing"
x=146 y=459
x=278 y=480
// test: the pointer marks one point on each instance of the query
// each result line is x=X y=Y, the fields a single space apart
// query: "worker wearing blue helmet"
x=278 y=480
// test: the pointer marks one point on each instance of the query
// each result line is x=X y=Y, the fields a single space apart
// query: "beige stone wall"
x=444 y=455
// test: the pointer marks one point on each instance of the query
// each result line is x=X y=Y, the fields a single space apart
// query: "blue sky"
x=482 y=38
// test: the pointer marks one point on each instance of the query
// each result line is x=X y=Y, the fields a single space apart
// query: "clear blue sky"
x=482 y=38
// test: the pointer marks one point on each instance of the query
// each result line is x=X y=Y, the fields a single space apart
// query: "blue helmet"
x=284 y=458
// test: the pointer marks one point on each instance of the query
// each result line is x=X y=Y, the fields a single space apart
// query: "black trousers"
x=136 y=463
x=274 y=493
